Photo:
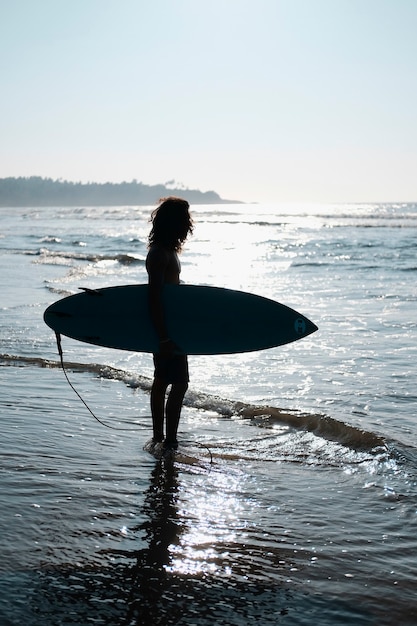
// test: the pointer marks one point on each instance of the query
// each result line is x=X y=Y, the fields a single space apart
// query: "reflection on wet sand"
x=162 y=531
x=198 y=565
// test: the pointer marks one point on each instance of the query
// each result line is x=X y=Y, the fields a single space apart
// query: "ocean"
x=293 y=497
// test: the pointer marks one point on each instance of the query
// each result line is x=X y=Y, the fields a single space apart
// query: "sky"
x=258 y=100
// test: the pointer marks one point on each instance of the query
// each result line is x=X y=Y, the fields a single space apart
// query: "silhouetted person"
x=171 y=223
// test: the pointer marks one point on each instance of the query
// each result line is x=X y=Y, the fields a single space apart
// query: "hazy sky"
x=259 y=100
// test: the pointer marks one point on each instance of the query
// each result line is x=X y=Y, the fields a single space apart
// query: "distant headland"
x=38 y=191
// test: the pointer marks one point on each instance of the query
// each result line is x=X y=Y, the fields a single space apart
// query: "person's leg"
x=158 y=391
x=173 y=411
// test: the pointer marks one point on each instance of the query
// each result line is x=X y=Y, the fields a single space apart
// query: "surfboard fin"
x=91 y=292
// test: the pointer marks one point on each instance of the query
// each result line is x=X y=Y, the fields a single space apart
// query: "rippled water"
x=293 y=497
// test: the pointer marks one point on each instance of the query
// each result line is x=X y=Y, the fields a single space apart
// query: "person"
x=171 y=224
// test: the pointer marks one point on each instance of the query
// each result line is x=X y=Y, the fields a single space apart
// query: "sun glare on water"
x=214 y=514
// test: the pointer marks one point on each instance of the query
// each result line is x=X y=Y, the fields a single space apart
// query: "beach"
x=293 y=496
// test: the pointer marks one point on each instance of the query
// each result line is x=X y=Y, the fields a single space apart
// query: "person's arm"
x=156 y=265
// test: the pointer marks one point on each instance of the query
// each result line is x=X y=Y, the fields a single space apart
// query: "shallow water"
x=293 y=496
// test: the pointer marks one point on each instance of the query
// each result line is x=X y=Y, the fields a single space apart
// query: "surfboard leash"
x=61 y=358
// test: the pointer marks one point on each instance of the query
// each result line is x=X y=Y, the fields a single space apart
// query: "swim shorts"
x=172 y=369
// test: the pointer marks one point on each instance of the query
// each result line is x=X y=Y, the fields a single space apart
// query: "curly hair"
x=171 y=223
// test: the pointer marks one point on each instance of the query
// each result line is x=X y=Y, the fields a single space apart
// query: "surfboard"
x=199 y=319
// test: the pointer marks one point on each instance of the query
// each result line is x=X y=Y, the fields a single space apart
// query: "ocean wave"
x=59 y=292
x=407 y=223
x=51 y=256
x=51 y=239
x=393 y=217
x=104 y=371
x=266 y=417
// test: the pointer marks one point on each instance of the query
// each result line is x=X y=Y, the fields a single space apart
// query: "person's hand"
x=167 y=347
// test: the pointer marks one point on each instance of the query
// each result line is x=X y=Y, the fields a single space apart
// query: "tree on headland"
x=38 y=191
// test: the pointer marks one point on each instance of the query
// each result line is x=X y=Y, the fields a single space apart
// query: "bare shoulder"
x=157 y=259
x=163 y=266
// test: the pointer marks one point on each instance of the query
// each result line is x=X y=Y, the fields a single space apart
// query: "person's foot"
x=153 y=445
x=169 y=448
x=170 y=445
